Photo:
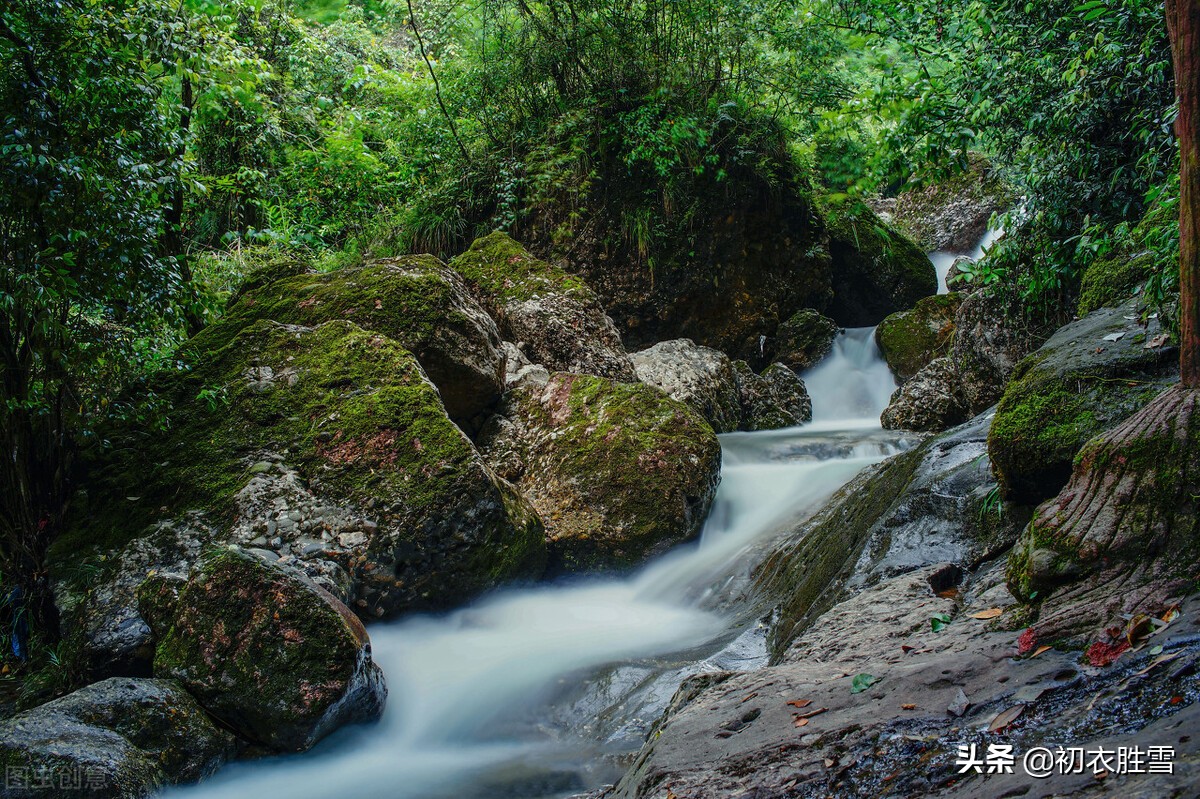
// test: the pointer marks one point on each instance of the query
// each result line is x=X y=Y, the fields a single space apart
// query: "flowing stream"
x=943 y=260
x=545 y=691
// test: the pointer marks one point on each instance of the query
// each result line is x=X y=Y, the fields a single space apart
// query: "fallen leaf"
x=1158 y=661
x=800 y=702
x=862 y=682
x=939 y=621
x=984 y=615
x=1114 y=337
x=1005 y=718
x=812 y=713
x=908 y=706
x=906 y=648
x=1040 y=650
x=830 y=762
x=949 y=593
x=960 y=704
x=1140 y=627
x=1156 y=650
x=1175 y=700
x=799 y=721
x=749 y=696
x=1158 y=341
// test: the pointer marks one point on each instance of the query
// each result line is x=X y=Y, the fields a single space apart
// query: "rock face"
x=328 y=447
x=776 y=398
x=989 y=340
x=953 y=215
x=930 y=402
x=699 y=376
x=1123 y=536
x=802 y=341
x=728 y=394
x=876 y=271
x=1091 y=375
x=554 y=318
x=415 y=300
x=1112 y=279
x=274 y=657
x=619 y=472
x=122 y=737
x=910 y=340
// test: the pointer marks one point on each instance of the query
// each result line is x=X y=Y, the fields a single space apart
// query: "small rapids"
x=543 y=691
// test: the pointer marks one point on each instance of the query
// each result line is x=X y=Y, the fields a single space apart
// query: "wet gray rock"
x=123 y=737
x=802 y=341
x=953 y=215
x=699 y=376
x=930 y=402
x=775 y=399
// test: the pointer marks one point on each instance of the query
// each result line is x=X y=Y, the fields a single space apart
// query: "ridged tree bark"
x=1183 y=22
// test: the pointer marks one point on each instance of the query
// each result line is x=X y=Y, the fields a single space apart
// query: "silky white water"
x=527 y=693
x=943 y=260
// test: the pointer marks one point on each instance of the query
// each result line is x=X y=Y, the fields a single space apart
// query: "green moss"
x=910 y=340
x=1113 y=278
x=503 y=271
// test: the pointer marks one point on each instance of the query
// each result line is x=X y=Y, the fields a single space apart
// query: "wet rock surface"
x=1089 y=376
x=618 y=472
x=931 y=401
x=121 y=737
x=777 y=398
x=910 y=340
x=801 y=341
x=953 y=215
x=263 y=649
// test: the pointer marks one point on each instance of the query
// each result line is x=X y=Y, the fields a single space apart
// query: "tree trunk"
x=1183 y=22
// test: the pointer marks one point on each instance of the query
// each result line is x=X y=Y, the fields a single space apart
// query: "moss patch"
x=503 y=271
x=911 y=340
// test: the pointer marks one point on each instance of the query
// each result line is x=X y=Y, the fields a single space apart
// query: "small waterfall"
x=853 y=384
x=943 y=260
x=529 y=693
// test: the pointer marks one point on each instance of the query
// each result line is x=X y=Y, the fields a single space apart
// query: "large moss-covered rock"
x=553 y=317
x=1123 y=537
x=1089 y=376
x=275 y=658
x=699 y=376
x=117 y=739
x=875 y=270
x=619 y=472
x=327 y=446
x=802 y=341
x=1115 y=276
x=953 y=215
x=910 y=340
x=930 y=402
x=414 y=300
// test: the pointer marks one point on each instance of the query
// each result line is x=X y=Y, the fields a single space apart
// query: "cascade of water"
x=943 y=260
x=524 y=693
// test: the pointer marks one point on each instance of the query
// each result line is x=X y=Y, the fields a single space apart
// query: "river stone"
x=930 y=402
x=910 y=340
x=415 y=300
x=554 y=317
x=777 y=398
x=1089 y=376
x=953 y=215
x=275 y=658
x=802 y=341
x=397 y=510
x=702 y=377
x=120 y=738
x=876 y=271
x=619 y=472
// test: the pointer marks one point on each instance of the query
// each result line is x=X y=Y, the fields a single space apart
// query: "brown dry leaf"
x=906 y=648
x=830 y=762
x=749 y=696
x=949 y=593
x=1139 y=628
x=1158 y=661
x=1040 y=650
x=812 y=713
x=984 y=615
x=1158 y=341
x=799 y=721
x=1005 y=718
x=800 y=702
x=908 y=706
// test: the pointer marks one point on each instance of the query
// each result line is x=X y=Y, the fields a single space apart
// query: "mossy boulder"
x=1122 y=540
x=910 y=340
x=774 y=399
x=875 y=270
x=553 y=317
x=802 y=341
x=701 y=377
x=262 y=648
x=327 y=446
x=414 y=300
x=1115 y=276
x=117 y=739
x=1089 y=376
x=953 y=214
x=619 y=472
x=930 y=402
